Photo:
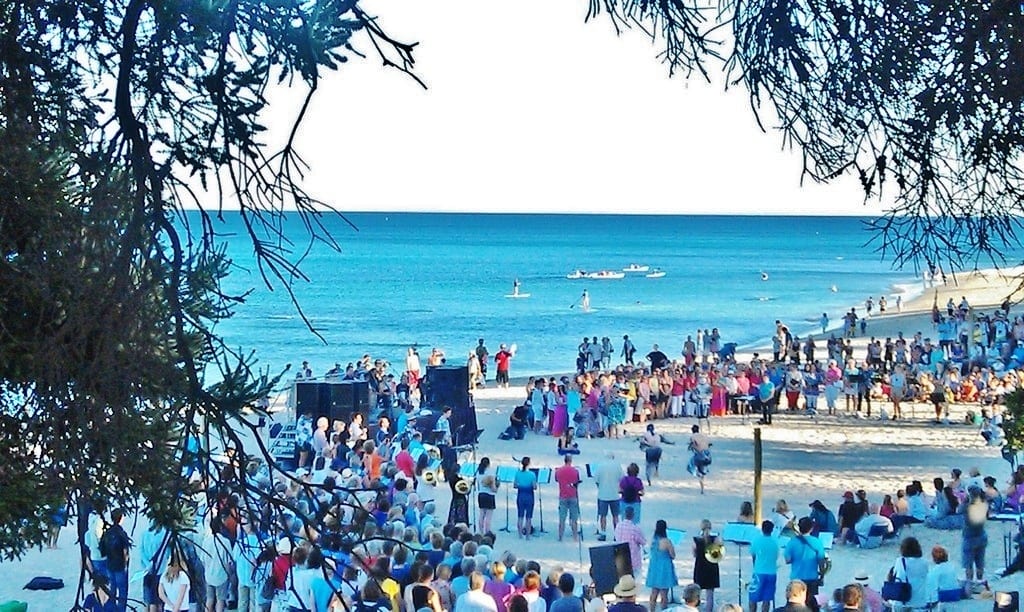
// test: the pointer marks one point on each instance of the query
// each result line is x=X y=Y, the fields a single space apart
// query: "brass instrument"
x=431 y=477
x=463 y=485
x=433 y=452
x=714 y=552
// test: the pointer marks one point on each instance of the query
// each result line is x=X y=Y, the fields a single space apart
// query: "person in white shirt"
x=299 y=593
x=868 y=522
x=475 y=600
x=216 y=550
x=608 y=475
x=174 y=586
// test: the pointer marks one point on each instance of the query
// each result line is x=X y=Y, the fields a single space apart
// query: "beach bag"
x=44 y=583
x=950 y=595
x=897 y=590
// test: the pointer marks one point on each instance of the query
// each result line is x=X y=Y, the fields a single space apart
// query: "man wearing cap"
x=481 y=355
x=872 y=599
x=765 y=551
x=566 y=602
x=502 y=359
x=625 y=591
x=804 y=553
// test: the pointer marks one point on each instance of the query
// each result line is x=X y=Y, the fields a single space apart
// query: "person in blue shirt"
x=766 y=397
x=764 y=550
x=99 y=600
x=525 y=483
x=824 y=519
x=803 y=553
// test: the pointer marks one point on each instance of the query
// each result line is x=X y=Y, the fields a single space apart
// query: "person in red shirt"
x=568 y=479
x=502 y=359
x=404 y=461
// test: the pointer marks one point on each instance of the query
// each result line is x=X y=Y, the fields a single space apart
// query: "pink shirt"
x=629 y=533
x=567 y=477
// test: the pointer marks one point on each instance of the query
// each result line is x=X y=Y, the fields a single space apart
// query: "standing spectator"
x=502 y=359
x=661 y=571
x=628 y=349
x=154 y=552
x=609 y=473
x=567 y=602
x=975 y=540
x=804 y=552
x=764 y=550
x=116 y=545
x=475 y=599
x=216 y=564
x=568 y=479
x=628 y=532
x=175 y=585
x=631 y=490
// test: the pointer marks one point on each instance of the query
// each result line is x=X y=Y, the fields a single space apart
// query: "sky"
x=530 y=109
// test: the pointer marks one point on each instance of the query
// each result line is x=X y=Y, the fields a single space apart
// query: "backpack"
x=112 y=545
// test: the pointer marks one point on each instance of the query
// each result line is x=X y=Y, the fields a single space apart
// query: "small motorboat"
x=636 y=268
x=606 y=275
x=656 y=273
x=576 y=275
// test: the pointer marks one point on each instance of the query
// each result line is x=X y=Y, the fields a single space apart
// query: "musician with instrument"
x=708 y=550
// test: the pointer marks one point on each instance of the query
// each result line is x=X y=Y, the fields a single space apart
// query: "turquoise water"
x=440 y=280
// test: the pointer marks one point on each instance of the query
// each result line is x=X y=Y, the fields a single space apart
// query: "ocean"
x=440 y=280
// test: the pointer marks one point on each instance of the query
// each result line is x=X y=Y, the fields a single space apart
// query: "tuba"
x=463 y=485
x=714 y=552
x=431 y=477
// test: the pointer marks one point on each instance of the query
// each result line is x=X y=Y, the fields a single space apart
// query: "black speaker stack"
x=609 y=563
x=449 y=386
x=337 y=401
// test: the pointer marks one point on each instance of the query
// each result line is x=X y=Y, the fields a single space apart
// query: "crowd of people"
x=355 y=524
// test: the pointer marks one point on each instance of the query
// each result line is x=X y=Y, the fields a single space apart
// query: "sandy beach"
x=804 y=459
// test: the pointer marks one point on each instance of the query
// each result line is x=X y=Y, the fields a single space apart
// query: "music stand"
x=740 y=534
x=543 y=477
x=506 y=474
x=676 y=536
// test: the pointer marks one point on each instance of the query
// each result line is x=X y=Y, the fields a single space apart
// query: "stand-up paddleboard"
x=513 y=296
x=513 y=349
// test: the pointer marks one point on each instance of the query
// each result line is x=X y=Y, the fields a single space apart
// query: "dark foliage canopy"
x=922 y=101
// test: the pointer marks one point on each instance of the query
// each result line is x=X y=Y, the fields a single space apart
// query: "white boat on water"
x=606 y=275
x=576 y=275
x=636 y=268
x=656 y=273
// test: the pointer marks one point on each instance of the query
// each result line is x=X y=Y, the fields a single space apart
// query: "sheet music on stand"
x=506 y=473
x=467 y=470
x=740 y=533
x=543 y=475
x=676 y=536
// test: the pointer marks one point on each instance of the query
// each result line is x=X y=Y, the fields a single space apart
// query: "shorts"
x=973 y=550
x=603 y=506
x=150 y=590
x=501 y=377
x=765 y=590
x=570 y=507
x=218 y=593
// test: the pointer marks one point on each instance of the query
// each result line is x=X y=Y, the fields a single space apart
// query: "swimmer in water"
x=764 y=276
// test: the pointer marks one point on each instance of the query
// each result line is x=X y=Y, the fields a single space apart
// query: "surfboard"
x=513 y=296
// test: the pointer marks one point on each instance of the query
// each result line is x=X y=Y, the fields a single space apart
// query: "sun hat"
x=861 y=576
x=284 y=546
x=625 y=587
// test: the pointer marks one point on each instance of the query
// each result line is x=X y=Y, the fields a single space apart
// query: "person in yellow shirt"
x=391 y=589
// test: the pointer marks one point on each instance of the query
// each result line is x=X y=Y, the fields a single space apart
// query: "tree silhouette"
x=114 y=118
x=921 y=101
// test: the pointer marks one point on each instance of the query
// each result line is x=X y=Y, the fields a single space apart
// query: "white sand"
x=804 y=460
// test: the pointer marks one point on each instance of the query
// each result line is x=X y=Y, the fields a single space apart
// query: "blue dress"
x=661 y=572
